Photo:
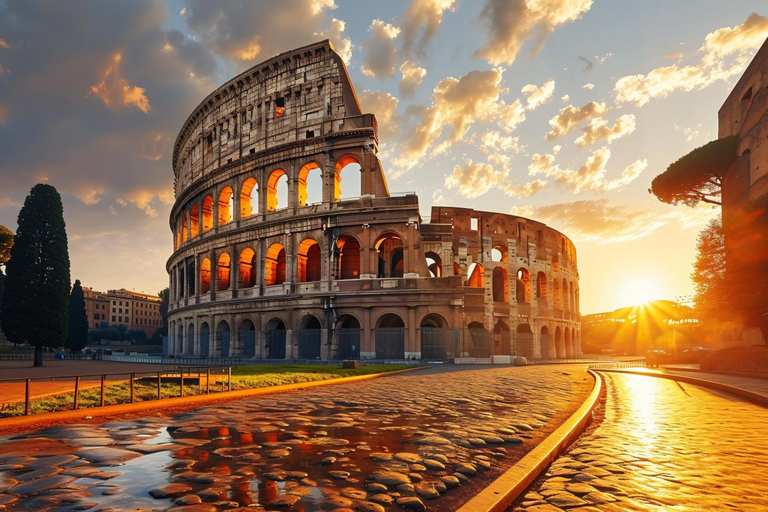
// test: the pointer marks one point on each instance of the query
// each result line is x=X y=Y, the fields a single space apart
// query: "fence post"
x=199 y=382
x=182 y=381
x=159 y=384
x=103 y=379
x=133 y=377
x=208 y=382
x=229 y=378
x=26 y=399
x=77 y=392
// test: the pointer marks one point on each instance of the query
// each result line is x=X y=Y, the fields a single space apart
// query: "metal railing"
x=617 y=366
x=202 y=373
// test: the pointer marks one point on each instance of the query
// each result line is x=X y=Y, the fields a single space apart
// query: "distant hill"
x=661 y=324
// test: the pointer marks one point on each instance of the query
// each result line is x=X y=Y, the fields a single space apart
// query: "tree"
x=36 y=299
x=6 y=242
x=77 y=332
x=709 y=272
x=698 y=176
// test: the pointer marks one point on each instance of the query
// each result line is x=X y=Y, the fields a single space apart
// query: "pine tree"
x=709 y=273
x=77 y=332
x=36 y=299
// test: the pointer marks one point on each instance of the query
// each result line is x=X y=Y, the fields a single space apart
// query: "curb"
x=763 y=376
x=752 y=396
x=500 y=494
x=92 y=413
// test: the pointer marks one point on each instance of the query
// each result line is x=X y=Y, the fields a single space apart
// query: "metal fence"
x=310 y=341
x=348 y=342
x=440 y=344
x=276 y=344
x=390 y=343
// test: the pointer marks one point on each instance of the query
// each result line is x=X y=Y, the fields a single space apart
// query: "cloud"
x=342 y=45
x=538 y=96
x=475 y=179
x=570 y=117
x=601 y=60
x=115 y=91
x=588 y=86
x=380 y=51
x=715 y=65
x=493 y=141
x=423 y=17
x=513 y=22
x=384 y=106
x=247 y=31
x=602 y=222
x=598 y=129
x=673 y=55
x=413 y=75
x=590 y=176
x=566 y=98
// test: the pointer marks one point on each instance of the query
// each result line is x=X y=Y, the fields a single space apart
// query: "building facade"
x=289 y=245
x=136 y=311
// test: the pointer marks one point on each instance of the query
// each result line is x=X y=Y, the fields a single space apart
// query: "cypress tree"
x=77 y=332
x=36 y=299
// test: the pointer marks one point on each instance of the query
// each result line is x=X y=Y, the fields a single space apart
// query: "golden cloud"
x=426 y=14
x=598 y=129
x=381 y=53
x=115 y=91
x=538 y=96
x=570 y=117
x=475 y=179
x=413 y=75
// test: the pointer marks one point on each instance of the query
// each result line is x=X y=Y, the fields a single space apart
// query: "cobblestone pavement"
x=661 y=446
x=422 y=440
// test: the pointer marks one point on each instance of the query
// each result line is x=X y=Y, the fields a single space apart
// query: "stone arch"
x=476 y=276
x=191 y=339
x=347 y=256
x=390 y=336
x=499 y=253
x=245 y=344
x=191 y=271
x=205 y=340
x=277 y=190
x=207 y=213
x=434 y=264
x=205 y=276
x=523 y=286
x=545 y=343
x=223 y=271
x=226 y=205
x=194 y=220
x=559 y=343
x=184 y=228
x=310 y=190
x=275 y=334
x=389 y=248
x=309 y=262
x=274 y=272
x=310 y=338
x=348 y=336
x=247 y=268
x=541 y=285
x=223 y=339
x=433 y=320
x=500 y=285
x=180 y=271
x=349 y=172
x=478 y=340
x=249 y=198
x=501 y=339
x=568 y=343
x=566 y=302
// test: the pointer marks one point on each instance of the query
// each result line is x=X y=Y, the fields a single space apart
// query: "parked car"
x=694 y=354
x=655 y=357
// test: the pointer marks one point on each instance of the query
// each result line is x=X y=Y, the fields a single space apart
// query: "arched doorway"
x=434 y=264
x=310 y=185
x=247 y=339
x=479 y=341
x=310 y=338
x=205 y=340
x=389 y=248
x=347 y=257
x=438 y=341
x=275 y=332
x=348 y=178
x=476 y=273
x=544 y=342
x=568 y=341
x=523 y=287
x=501 y=339
x=223 y=339
x=348 y=334
x=524 y=341
x=274 y=269
x=500 y=285
x=559 y=345
x=247 y=268
x=390 y=337
x=191 y=339
x=308 y=261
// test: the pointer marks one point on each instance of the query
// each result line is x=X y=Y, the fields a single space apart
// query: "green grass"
x=243 y=377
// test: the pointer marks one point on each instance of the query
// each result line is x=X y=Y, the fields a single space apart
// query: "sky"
x=559 y=110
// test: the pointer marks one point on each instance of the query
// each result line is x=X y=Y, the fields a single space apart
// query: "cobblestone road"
x=661 y=446
x=428 y=439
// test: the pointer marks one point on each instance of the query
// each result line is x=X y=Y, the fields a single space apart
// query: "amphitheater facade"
x=289 y=245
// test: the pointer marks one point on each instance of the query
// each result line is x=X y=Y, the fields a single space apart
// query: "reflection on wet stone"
x=402 y=443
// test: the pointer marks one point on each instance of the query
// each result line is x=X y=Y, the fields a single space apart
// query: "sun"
x=640 y=290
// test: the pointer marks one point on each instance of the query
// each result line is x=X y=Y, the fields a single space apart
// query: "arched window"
x=541 y=285
x=180 y=291
x=178 y=234
x=184 y=228
x=277 y=190
x=309 y=261
x=275 y=267
x=499 y=253
x=310 y=184
x=434 y=264
x=225 y=206
x=390 y=250
x=191 y=273
x=205 y=276
x=523 y=288
x=347 y=258
x=247 y=268
x=207 y=213
x=222 y=272
x=500 y=285
x=347 y=172
x=223 y=339
x=194 y=220
x=249 y=198
x=476 y=273
x=191 y=339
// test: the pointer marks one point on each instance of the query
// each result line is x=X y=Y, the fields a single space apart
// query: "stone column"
x=413 y=347
x=367 y=345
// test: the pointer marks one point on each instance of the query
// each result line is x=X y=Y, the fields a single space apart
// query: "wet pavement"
x=423 y=440
x=661 y=445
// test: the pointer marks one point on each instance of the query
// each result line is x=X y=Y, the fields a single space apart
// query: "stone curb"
x=500 y=494
x=752 y=396
x=32 y=421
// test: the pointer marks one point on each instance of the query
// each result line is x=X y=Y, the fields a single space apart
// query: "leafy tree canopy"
x=698 y=176
x=708 y=275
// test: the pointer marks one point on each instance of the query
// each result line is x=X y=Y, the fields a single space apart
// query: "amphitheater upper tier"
x=289 y=245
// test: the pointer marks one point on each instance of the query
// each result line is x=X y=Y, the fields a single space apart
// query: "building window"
x=113 y=318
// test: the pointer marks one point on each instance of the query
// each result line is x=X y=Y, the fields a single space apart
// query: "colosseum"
x=288 y=243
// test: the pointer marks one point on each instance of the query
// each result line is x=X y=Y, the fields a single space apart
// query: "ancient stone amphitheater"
x=288 y=243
